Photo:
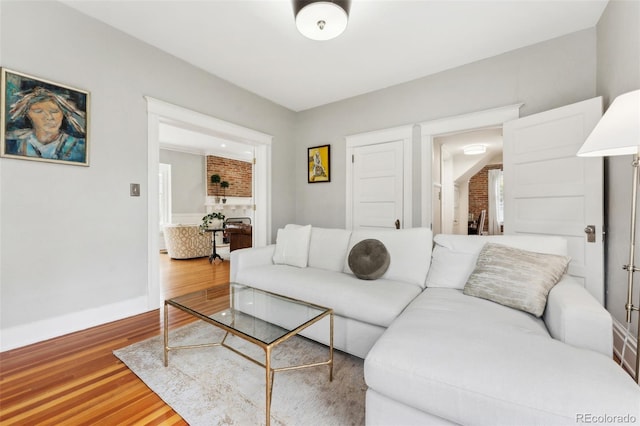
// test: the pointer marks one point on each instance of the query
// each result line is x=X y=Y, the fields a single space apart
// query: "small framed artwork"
x=43 y=121
x=319 y=164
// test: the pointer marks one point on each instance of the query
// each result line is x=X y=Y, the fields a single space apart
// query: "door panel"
x=377 y=185
x=550 y=191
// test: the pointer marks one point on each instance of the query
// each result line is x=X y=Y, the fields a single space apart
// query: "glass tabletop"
x=255 y=313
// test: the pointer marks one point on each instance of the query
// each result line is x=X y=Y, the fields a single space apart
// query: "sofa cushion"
x=369 y=259
x=516 y=278
x=409 y=250
x=454 y=256
x=472 y=361
x=328 y=248
x=377 y=303
x=292 y=246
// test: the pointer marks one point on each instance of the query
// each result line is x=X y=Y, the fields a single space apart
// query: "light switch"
x=134 y=189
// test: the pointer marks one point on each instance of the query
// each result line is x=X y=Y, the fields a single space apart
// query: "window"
x=164 y=180
x=496 y=201
x=500 y=198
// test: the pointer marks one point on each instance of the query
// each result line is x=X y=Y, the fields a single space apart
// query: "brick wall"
x=479 y=193
x=237 y=173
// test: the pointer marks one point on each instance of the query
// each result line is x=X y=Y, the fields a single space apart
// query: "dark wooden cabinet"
x=239 y=235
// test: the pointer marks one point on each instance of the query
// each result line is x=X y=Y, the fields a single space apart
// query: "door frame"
x=163 y=112
x=429 y=130
x=401 y=133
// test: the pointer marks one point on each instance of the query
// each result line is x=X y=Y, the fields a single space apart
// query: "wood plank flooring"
x=76 y=379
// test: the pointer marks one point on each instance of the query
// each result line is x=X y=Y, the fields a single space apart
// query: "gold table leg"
x=269 y=383
x=269 y=371
x=331 y=347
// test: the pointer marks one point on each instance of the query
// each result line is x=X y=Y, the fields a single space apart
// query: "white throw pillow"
x=453 y=259
x=292 y=246
x=516 y=278
x=454 y=256
x=328 y=248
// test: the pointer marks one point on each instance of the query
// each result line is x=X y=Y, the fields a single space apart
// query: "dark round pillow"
x=369 y=259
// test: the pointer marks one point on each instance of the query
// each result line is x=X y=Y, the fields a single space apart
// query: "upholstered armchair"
x=186 y=241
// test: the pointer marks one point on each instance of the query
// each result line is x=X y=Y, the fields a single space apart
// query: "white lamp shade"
x=618 y=131
x=321 y=20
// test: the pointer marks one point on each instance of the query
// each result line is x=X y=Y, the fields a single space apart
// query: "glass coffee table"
x=259 y=317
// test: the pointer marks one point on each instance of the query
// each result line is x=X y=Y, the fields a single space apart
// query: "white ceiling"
x=491 y=138
x=176 y=138
x=465 y=166
x=255 y=45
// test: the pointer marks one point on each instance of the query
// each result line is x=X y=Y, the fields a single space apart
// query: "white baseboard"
x=26 y=334
x=631 y=349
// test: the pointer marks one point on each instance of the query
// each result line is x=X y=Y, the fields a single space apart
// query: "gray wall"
x=543 y=76
x=188 y=174
x=619 y=72
x=71 y=237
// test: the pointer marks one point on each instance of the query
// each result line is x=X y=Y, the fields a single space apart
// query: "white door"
x=550 y=191
x=378 y=185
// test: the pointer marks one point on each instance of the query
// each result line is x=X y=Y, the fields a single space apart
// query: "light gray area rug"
x=215 y=386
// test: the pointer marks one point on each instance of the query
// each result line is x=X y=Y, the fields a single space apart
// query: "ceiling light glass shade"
x=474 y=149
x=618 y=131
x=321 y=20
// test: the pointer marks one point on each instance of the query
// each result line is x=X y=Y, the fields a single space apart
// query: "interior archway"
x=162 y=112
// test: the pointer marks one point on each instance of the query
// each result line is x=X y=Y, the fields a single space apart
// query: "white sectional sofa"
x=363 y=309
x=434 y=355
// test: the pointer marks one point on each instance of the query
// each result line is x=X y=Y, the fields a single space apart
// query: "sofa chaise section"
x=471 y=361
x=451 y=358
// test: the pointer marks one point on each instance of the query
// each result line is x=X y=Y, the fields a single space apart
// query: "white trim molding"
x=153 y=210
x=26 y=334
x=183 y=117
x=429 y=130
x=163 y=112
x=401 y=133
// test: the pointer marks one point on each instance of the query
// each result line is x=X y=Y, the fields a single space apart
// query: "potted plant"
x=212 y=220
x=224 y=185
x=215 y=182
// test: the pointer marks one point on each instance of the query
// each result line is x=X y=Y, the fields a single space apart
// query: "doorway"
x=391 y=192
x=550 y=191
x=461 y=181
x=163 y=112
x=377 y=185
x=431 y=130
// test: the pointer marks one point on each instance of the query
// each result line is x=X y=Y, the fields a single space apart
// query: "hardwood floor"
x=76 y=379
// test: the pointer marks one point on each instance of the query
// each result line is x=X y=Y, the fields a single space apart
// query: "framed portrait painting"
x=43 y=121
x=319 y=164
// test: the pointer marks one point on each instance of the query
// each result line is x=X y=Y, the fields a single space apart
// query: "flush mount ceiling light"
x=474 y=149
x=321 y=20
